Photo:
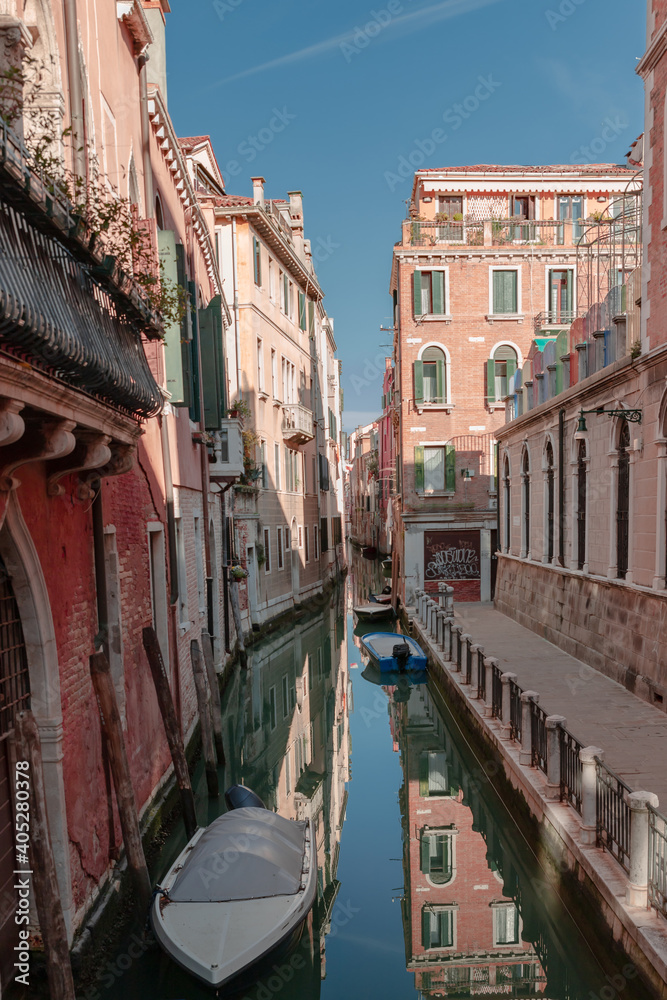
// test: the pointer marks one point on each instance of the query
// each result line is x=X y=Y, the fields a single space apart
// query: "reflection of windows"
x=436 y=857
x=505 y=923
x=433 y=774
x=273 y=721
x=285 y=696
x=438 y=927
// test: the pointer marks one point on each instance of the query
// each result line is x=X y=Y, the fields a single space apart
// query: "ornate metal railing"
x=515 y=711
x=538 y=734
x=657 y=860
x=491 y=232
x=496 y=692
x=570 y=769
x=613 y=814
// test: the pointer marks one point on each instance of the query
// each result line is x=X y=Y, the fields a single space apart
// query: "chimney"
x=258 y=190
x=296 y=212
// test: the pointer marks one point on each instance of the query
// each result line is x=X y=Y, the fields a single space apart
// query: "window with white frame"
x=159 y=602
x=437 y=856
x=438 y=926
x=430 y=375
x=435 y=469
x=263 y=464
x=272 y=279
x=260 y=365
x=288 y=538
x=305 y=539
x=279 y=536
x=274 y=373
x=285 y=694
x=276 y=465
x=500 y=368
x=257 y=260
x=267 y=550
x=505 y=291
x=316 y=542
x=505 y=924
x=289 y=381
x=433 y=774
x=430 y=292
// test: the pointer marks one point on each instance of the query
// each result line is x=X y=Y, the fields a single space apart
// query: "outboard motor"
x=401 y=653
x=238 y=797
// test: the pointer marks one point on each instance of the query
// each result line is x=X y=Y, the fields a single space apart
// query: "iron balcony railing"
x=515 y=711
x=538 y=736
x=492 y=232
x=613 y=814
x=570 y=769
x=657 y=860
x=496 y=692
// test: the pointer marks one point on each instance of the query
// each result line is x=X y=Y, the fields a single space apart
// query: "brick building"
x=386 y=461
x=365 y=526
x=598 y=580
x=487 y=261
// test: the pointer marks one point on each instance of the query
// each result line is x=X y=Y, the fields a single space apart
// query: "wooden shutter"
x=569 y=292
x=438 y=292
x=257 y=260
x=505 y=291
x=441 y=395
x=419 y=382
x=324 y=534
x=302 y=311
x=490 y=381
x=212 y=363
x=423 y=775
x=419 y=469
x=191 y=348
x=425 y=852
x=417 y=293
x=426 y=927
x=450 y=467
x=169 y=266
x=511 y=369
x=311 y=319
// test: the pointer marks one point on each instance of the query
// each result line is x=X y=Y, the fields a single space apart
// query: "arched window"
x=431 y=377
x=499 y=369
x=581 y=504
x=437 y=857
x=507 y=497
x=549 y=458
x=159 y=215
x=623 y=502
x=525 y=490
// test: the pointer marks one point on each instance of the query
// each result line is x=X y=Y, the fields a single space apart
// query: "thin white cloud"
x=414 y=20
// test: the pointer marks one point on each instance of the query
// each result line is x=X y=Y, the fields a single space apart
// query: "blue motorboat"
x=393 y=652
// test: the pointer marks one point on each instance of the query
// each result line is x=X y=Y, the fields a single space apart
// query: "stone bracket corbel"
x=120 y=461
x=42 y=441
x=92 y=451
x=12 y=424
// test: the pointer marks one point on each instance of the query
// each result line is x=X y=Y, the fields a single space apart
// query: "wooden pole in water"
x=216 y=706
x=42 y=863
x=172 y=732
x=112 y=730
x=236 y=611
x=203 y=703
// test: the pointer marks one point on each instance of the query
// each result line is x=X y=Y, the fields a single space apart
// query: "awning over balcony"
x=56 y=316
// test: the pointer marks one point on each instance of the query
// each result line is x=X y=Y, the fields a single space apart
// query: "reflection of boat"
x=240 y=888
x=387 y=678
x=373 y=611
x=394 y=652
x=386 y=566
x=369 y=552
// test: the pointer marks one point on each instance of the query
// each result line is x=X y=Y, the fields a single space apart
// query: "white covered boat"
x=241 y=887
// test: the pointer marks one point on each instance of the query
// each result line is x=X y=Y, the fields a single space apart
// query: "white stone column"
x=637 y=890
x=476 y=651
x=433 y=619
x=466 y=643
x=526 y=752
x=553 y=724
x=457 y=631
x=506 y=678
x=489 y=664
x=587 y=757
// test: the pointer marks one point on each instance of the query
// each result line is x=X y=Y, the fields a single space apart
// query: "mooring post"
x=589 y=780
x=171 y=728
x=489 y=664
x=203 y=704
x=637 y=889
x=526 y=752
x=475 y=651
x=214 y=687
x=553 y=724
x=112 y=731
x=505 y=679
x=457 y=631
x=466 y=645
x=42 y=862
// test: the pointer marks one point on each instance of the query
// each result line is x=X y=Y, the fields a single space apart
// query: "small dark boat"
x=386 y=567
x=381 y=598
x=394 y=652
x=369 y=552
x=373 y=611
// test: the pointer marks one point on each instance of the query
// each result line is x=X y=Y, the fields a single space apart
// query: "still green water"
x=426 y=885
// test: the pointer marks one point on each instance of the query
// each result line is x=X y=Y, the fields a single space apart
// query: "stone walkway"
x=599 y=711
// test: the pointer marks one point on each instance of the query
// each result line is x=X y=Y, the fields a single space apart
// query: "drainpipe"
x=498 y=538
x=561 y=487
x=146 y=136
x=75 y=88
x=102 y=637
x=237 y=325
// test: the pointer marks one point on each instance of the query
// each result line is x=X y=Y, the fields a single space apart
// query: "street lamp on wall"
x=632 y=416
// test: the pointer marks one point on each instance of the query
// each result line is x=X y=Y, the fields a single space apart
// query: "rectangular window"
x=437 y=927
x=274 y=374
x=272 y=279
x=505 y=924
x=435 y=469
x=300 y=537
x=433 y=775
x=336 y=529
x=260 y=365
x=273 y=718
x=263 y=464
x=257 y=260
x=324 y=534
x=316 y=550
x=429 y=293
x=571 y=209
x=267 y=550
x=522 y=206
x=285 y=692
x=505 y=292
x=276 y=469
x=279 y=535
x=305 y=537
x=287 y=539
x=561 y=286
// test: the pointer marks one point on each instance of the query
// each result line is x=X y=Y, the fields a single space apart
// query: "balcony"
x=492 y=233
x=226 y=454
x=298 y=427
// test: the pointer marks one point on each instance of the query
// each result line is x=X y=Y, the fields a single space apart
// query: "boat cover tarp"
x=248 y=853
x=382 y=643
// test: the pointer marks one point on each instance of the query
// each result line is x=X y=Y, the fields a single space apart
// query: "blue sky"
x=357 y=86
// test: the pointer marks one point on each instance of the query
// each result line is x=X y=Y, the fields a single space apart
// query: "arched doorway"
x=296 y=560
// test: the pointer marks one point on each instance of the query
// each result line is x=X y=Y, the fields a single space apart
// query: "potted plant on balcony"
x=238 y=573
x=239 y=408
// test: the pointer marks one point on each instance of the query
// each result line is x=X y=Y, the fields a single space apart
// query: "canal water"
x=426 y=885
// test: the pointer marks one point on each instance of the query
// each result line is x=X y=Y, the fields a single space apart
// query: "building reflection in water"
x=472 y=922
x=288 y=737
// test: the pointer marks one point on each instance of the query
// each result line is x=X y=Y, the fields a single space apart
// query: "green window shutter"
x=193 y=355
x=450 y=467
x=257 y=260
x=423 y=775
x=212 y=363
x=419 y=382
x=490 y=381
x=169 y=266
x=311 y=319
x=438 y=291
x=302 y=311
x=569 y=292
x=440 y=381
x=419 y=469
x=426 y=927
x=504 y=291
x=417 y=292
x=511 y=369
x=425 y=851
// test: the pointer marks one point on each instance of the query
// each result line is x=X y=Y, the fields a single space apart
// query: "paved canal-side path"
x=599 y=711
